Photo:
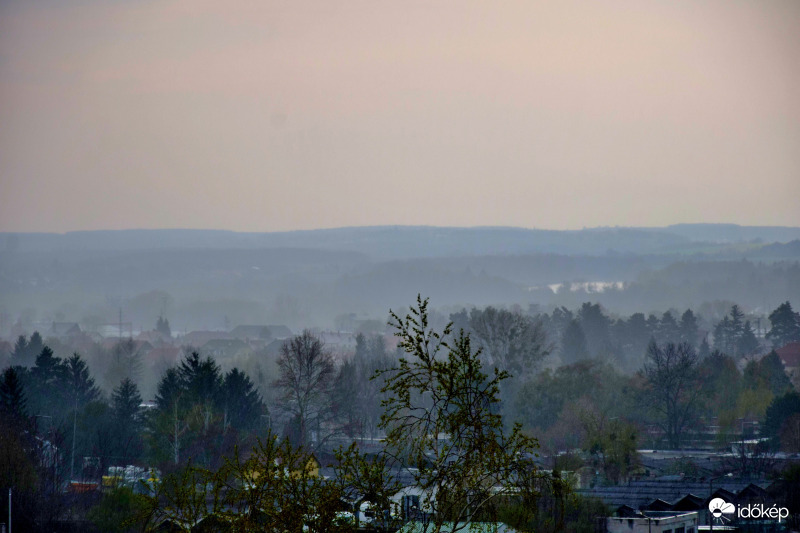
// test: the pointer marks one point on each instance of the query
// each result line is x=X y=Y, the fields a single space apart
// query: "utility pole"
x=175 y=443
x=74 y=430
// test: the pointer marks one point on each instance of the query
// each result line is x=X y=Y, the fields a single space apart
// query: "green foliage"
x=272 y=489
x=118 y=511
x=182 y=498
x=612 y=445
x=366 y=479
x=552 y=394
x=555 y=510
x=684 y=466
x=722 y=383
x=441 y=418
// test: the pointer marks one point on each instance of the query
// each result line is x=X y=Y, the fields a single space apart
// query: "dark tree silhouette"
x=673 y=387
x=25 y=351
x=767 y=372
x=783 y=412
x=573 y=343
x=79 y=381
x=13 y=404
x=127 y=422
x=785 y=325
x=688 y=328
x=242 y=405
x=306 y=376
x=162 y=326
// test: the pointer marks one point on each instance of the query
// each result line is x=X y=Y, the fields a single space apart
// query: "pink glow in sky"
x=274 y=115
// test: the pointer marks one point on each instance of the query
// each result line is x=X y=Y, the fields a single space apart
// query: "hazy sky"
x=273 y=115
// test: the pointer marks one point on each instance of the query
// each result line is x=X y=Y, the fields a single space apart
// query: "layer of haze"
x=274 y=115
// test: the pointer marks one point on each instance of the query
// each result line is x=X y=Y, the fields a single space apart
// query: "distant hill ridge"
x=382 y=242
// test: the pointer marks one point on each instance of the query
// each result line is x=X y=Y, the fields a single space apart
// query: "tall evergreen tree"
x=13 y=404
x=127 y=420
x=704 y=350
x=724 y=336
x=201 y=379
x=747 y=343
x=737 y=321
x=167 y=424
x=668 y=329
x=595 y=325
x=20 y=354
x=573 y=344
x=48 y=394
x=79 y=383
x=785 y=325
x=169 y=390
x=126 y=403
x=25 y=351
x=768 y=372
x=689 y=328
x=242 y=404
x=35 y=344
x=638 y=336
x=162 y=326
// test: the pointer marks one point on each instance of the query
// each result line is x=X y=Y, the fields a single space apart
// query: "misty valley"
x=400 y=379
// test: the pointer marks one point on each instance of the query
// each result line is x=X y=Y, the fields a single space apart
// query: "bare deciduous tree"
x=673 y=387
x=509 y=341
x=306 y=375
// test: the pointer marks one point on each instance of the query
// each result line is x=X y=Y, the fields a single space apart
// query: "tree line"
x=205 y=415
